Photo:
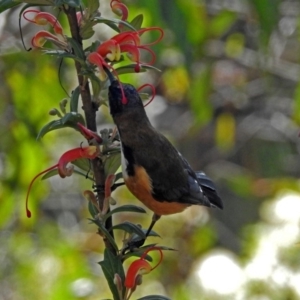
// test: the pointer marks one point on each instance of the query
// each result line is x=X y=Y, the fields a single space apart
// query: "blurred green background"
x=228 y=97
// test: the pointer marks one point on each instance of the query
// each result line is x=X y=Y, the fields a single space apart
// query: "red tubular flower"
x=96 y=59
x=42 y=37
x=89 y=134
x=153 y=92
x=129 y=42
x=44 y=18
x=119 y=9
x=99 y=61
x=140 y=267
x=90 y=152
x=110 y=49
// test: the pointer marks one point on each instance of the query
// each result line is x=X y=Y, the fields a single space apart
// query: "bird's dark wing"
x=171 y=182
x=209 y=189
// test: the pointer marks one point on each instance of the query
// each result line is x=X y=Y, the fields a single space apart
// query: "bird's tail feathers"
x=209 y=190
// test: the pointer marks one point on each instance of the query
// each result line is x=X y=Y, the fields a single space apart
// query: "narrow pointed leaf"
x=130 y=228
x=131 y=69
x=112 y=265
x=56 y=124
x=137 y=22
x=112 y=23
x=7 y=4
x=92 y=209
x=77 y=49
x=87 y=31
x=140 y=251
x=96 y=84
x=85 y=175
x=50 y=174
x=74 y=100
x=64 y=54
x=83 y=164
x=69 y=120
x=72 y=118
x=124 y=208
x=92 y=6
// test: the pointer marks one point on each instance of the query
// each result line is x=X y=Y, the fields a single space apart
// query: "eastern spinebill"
x=153 y=170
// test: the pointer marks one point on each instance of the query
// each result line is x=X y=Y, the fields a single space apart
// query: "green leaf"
x=84 y=174
x=92 y=209
x=112 y=23
x=124 y=208
x=49 y=174
x=112 y=265
x=92 y=6
x=96 y=84
x=87 y=31
x=77 y=49
x=154 y=297
x=53 y=125
x=7 y=4
x=64 y=54
x=137 y=22
x=83 y=164
x=72 y=118
x=131 y=69
x=130 y=228
x=74 y=100
x=140 y=251
x=69 y=120
x=112 y=163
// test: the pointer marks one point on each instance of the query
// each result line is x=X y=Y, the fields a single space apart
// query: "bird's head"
x=123 y=98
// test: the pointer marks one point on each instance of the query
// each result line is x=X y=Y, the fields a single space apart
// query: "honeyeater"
x=153 y=169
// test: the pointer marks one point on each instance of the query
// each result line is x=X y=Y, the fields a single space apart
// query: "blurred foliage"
x=230 y=80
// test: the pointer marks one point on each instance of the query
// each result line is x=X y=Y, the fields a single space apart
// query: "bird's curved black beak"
x=109 y=75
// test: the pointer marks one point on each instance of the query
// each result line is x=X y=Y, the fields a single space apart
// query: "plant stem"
x=90 y=115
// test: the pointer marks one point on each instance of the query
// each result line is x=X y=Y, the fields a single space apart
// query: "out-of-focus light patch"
x=287 y=208
x=48 y=268
x=283 y=236
x=220 y=272
x=195 y=215
x=48 y=265
x=281 y=276
x=82 y=287
x=295 y=282
x=261 y=267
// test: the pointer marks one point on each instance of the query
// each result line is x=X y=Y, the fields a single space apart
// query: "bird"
x=153 y=170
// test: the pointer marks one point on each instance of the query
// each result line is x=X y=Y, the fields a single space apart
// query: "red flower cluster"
x=42 y=36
